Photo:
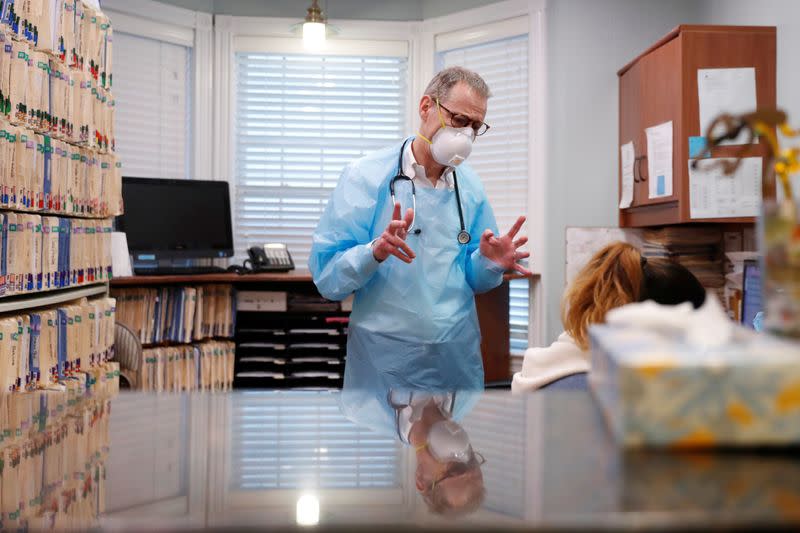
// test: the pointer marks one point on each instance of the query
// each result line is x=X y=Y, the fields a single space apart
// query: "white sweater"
x=542 y=366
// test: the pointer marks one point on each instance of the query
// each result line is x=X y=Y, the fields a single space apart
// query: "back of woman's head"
x=618 y=275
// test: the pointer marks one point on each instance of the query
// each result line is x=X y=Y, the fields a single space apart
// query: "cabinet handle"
x=639 y=168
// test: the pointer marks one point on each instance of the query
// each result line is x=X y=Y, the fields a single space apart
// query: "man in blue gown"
x=415 y=276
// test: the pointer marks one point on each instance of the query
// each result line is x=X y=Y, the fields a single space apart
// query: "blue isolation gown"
x=415 y=322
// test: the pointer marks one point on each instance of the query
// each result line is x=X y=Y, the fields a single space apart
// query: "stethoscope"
x=463 y=235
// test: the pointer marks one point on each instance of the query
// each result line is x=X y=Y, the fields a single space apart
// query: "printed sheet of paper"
x=725 y=90
x=715 y=195
x=626 y=157
x=659 y=160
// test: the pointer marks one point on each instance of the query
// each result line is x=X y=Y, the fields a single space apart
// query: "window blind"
x=495 y=430
x=152 y=88
x=299 y=120
x=303 y=441
x=501 y=155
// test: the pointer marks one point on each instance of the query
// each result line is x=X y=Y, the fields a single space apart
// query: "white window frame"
x=184 y=27
x=234 y=34
x=485 y=24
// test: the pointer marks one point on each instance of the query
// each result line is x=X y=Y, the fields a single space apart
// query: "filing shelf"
x=274 y=328
x=291 y=349
x=256 y=331
x=32 y=300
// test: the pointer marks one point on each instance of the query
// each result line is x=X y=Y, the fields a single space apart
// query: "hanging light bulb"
x=314 y=28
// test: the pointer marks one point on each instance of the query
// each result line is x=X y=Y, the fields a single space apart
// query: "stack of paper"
x=699 y=249
x=177 y=314
x=206 y=365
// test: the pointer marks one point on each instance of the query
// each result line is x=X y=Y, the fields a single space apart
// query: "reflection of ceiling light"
x=307 y=509
x=314 y=28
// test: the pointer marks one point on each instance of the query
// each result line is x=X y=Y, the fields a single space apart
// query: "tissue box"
x=658 y=391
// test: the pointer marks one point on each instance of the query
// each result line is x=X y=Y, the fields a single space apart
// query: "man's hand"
x=392 y=240
x=503 y=250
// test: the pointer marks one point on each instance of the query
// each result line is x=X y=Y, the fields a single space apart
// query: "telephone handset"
x=273 y=257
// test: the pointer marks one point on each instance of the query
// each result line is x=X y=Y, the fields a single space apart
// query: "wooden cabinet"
x=661 y=86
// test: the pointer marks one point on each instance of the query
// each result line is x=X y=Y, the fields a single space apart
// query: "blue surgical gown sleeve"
x=482 y=274
x=341 y=260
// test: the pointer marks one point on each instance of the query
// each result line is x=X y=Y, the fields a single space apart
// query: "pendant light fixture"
x=314 y=28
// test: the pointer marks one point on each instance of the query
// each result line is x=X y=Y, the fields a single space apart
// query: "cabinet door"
x=725 y=47
x=649 y=95
x=630 y=119
x=661 y=103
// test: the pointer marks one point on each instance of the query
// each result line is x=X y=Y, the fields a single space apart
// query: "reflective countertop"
x=270 y=459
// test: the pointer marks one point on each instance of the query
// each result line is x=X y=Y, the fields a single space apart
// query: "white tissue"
x=662 y=319
x=706 y=327
x=710 y=326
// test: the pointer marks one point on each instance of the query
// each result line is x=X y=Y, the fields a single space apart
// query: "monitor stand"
x=172 y=267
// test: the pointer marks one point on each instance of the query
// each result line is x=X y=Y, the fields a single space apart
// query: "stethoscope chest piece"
x=463 y=235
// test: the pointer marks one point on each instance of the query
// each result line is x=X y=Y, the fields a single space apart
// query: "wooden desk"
x=298 y=276
x=492 y=306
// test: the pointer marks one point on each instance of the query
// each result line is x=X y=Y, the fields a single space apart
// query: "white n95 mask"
x=448 y=442
x=451 y=146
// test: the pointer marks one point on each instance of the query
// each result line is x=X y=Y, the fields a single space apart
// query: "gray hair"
x=440 y=85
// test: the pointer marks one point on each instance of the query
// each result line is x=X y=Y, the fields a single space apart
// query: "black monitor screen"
x=167 y=219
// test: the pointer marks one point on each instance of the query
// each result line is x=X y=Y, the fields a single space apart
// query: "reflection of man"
x=448 y=476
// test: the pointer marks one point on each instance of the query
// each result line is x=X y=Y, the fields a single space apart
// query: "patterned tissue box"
x=658 y=391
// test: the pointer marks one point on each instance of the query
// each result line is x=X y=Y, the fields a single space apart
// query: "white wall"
x=785 y=14
x=587 y=42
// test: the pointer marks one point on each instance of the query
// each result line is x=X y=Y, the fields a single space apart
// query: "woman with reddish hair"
x=615 y=276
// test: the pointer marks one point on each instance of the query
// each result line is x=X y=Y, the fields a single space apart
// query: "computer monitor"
x=751 y=292
x=169 y=219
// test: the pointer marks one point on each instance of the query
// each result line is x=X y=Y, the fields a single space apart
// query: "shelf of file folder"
x=53 y=448
x=75 y=33
x=172 y=344
x=202 y=366
x=49 y=348
x=56 y=63
x=177 y=314
x=40 y=254
x=42 y=174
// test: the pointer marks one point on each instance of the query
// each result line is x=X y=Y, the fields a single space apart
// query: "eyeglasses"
x=457 y=469
x=462 y=121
